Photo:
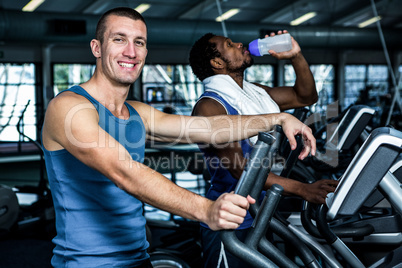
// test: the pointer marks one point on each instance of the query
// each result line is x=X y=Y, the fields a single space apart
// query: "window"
x=262 y=74
x=17 y=101
x=172 y=88
x=67 y=75
x=365 y=83
x=324 y=76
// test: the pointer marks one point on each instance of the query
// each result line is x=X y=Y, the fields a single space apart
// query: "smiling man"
x=94 y=144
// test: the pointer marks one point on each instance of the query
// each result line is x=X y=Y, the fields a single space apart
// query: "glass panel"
x=365 y=84
x=377 y=82
x=262 y=74
x=377 y=72
x=171 y=88
x=17 y=98
x=355 y=83
x=352 y=91
x=290 y=75
x=355 y=72
x=67 y=75
x=324 y=76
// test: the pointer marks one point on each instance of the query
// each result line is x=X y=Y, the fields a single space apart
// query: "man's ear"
x=96 y=48
x=217 y=63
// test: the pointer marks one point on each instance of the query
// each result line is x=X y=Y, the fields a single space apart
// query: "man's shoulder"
x=139 y=106
x=207 y=106
x=71 y=95
x=67 y=100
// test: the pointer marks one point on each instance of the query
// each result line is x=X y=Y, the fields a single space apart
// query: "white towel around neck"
x=251 y=100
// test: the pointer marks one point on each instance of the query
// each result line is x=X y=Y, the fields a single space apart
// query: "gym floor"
x=25 y=253
x=29 y=243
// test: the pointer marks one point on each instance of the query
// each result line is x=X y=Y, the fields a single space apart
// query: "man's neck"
x=111 y=96
x=238 y=78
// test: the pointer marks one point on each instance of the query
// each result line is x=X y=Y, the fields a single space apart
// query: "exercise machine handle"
x=252 y=177
x=342 y=231
x=252 y=182
x=335 y=241
x=247 y=182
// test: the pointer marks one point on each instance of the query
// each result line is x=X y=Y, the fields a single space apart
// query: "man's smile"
x=126 y=65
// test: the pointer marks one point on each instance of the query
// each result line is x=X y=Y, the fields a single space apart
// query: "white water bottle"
x=278 y=43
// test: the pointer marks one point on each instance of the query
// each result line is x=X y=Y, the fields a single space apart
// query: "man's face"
x=124 y=49
x=236 y=57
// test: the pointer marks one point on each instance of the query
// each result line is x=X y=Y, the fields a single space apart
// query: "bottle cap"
x=253 y=48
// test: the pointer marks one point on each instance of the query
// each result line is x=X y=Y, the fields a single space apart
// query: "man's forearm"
x=153 y=188
x=216 y=129
x=304 y=85
x=223 y=129
x=290 y=187
x=229 y=128
x=227 y=212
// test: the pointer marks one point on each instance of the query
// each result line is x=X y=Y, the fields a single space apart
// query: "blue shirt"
x=97 y=223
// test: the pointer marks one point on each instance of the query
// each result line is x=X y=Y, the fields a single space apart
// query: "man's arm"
x=230 y=154
x=231 y=157
x=315 y=192
x=219 y=129
x=71 y=123
x=304 y=92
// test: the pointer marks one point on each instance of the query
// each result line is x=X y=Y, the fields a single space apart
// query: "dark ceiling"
x=181 y=21
x=330 y=12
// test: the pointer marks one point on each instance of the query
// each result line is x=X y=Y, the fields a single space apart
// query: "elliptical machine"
x=256 y=249
x=368 y=169
x=335 y=154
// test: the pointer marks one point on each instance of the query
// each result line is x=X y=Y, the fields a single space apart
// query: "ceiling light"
x=142 y=8
x=227 y=14
x=368 y=22
x=303 y=18
x=32 y=5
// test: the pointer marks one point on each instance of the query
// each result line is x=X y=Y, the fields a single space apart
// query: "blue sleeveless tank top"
x=97 y=223
x=221 y=179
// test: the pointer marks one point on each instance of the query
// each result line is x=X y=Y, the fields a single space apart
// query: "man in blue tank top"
x=94 y=144
x=220 y=63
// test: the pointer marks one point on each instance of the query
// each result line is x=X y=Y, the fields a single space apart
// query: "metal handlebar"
x=251 y=183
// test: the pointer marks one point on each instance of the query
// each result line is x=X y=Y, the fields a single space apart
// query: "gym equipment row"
x=349 y=212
